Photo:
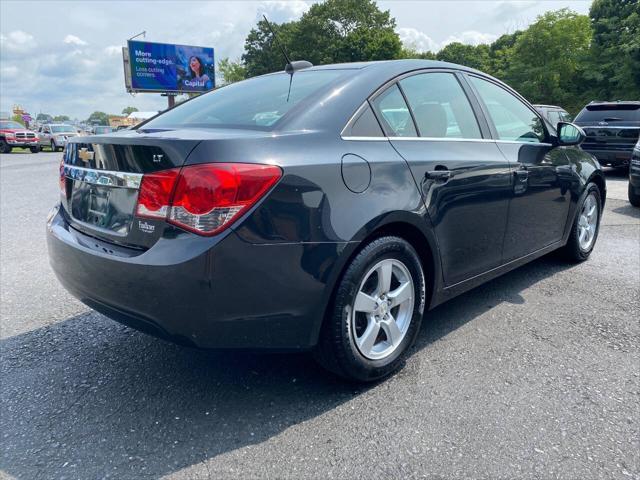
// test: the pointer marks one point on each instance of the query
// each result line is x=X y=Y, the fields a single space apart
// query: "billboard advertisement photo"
x=161 y=67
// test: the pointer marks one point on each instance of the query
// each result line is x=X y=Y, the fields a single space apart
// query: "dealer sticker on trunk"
x=146 y=227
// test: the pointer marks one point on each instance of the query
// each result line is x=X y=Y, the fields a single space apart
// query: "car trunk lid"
x=103 y=174
x=102 y=177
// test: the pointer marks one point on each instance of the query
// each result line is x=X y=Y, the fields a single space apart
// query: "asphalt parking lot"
x=533 y=375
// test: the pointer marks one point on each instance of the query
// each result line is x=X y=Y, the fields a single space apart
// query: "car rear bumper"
x=204 y=292
x=613 y=157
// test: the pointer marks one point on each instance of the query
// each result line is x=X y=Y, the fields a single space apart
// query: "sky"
x=64 y=57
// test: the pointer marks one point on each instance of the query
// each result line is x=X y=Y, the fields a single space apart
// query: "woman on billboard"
x=198 y=78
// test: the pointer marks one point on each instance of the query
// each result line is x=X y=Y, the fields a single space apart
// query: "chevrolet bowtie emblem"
x=85 y=155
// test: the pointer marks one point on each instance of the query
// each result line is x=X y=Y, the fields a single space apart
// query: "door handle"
x=521 y=174
x=438 y=175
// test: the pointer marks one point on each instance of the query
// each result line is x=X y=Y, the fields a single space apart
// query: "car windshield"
x=62 y=129
x=609 y=113
x=255 y=103
x=10 y=125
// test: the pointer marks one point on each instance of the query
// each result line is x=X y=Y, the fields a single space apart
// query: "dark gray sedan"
x=321 y=209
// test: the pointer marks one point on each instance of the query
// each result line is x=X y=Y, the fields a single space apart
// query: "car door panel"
x=464 y=179
x=540 y=198
x=468 y=209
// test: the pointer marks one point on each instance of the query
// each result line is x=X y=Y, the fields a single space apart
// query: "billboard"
x=161 y=67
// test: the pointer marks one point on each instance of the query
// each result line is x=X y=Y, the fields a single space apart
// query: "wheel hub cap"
x=382 y=309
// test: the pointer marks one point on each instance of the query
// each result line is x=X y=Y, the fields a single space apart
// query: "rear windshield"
x=609 y=113
x=255 y=103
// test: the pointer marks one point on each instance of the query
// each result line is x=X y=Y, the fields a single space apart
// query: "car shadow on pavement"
x=89 y=398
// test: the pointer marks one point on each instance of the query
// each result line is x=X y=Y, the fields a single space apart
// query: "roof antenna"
x=275 y=37
x=290 y=67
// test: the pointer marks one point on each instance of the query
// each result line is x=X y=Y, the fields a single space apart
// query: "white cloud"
x=17 y=41
x=112 y=50
x=414 y=38
x=470 y=37
x=73 y=40
x=283 y=11
x=9 y=72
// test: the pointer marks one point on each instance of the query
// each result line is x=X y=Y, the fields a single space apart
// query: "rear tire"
x=634 y=199
x=586 y=226
x=376 y=312
x=34 y=149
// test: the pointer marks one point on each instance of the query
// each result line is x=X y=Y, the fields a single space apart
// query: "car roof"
x=537 y=105
x=614 y=103
x=392 y=65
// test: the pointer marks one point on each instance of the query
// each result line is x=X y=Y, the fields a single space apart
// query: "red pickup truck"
x=12 y=134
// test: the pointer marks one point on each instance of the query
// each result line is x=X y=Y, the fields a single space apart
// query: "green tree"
x=44 y=117
x=330 y=32
x=468 y=55
x=18 y=118
x=549 y=57
x=232 y=71
x=614 y=69
x=61 y=118
x=129 y=110
x=261 y=52
x=501 y=54
x=99 y=118
x=410 y=51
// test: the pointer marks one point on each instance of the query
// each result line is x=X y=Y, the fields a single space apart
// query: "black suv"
x=634 y=177
x=612 y=130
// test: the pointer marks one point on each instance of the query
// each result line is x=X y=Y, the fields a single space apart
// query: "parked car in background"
x=612 y=130
x=324 y=208
x=55 y=135
x=101 y=130
x=13 y=134
x=554 y=114
x=634 y=176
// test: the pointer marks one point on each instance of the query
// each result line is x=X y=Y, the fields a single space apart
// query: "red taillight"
x=205 y=198
x=155 y=193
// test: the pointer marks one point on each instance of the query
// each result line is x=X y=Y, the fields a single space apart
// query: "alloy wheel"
x=588 y=222
x=382 y=309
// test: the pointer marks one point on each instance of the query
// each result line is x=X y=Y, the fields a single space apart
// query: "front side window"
x=440 y=106
x=393 y=113
x=512 y=119
x=255 y=103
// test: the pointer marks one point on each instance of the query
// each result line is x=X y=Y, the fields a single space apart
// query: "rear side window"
x=255 y=103
x=393 y=113
x=512 y=119
x=440 y=107
x=609 y=113
x=365 y=125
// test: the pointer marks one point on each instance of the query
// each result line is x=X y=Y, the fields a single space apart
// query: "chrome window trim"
x=105 y=178
x=365 y=139
x=441 y=139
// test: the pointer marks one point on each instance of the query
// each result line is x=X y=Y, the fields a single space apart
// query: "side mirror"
x=570 y=134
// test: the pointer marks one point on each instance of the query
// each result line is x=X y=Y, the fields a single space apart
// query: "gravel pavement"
x=534 y=375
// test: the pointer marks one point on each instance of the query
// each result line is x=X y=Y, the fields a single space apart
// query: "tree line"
x=563 y=58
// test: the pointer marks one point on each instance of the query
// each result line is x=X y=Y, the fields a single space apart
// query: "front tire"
x=4 y=146
x=586 y=226
x=376 y=312
x=634 y=198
